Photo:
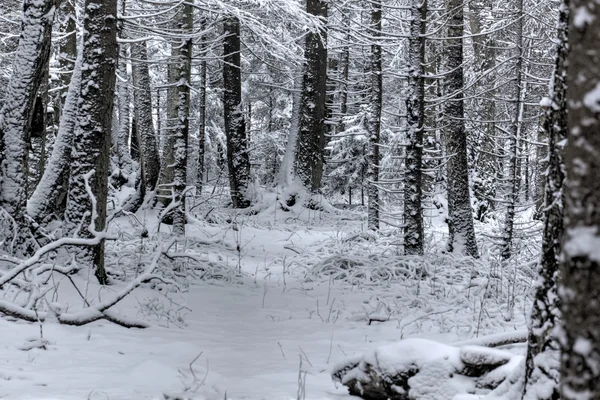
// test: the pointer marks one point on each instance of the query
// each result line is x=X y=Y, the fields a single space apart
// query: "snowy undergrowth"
x=262 y=301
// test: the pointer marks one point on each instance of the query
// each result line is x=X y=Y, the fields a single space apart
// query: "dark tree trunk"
x=182 y=130
x=415 y=109
x=311 y=133
x=142 y=98
x=90 y=158
x=201 y=120
x=514 y=140
x=238 y=159
x=29 y=68
x=374 y=118
x=460 y=215
x=540 y=375
x=579 y=287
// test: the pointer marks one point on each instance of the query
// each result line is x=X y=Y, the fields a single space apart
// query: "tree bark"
x=91 y=149
x=238 y=159
x=67 y=49
x=460 y=215
x=540 y=375
x=142 y=98
x=514 y=178
x=49 y=200
x=28 y=71
x=374 y=117
x=579 y=287
x=311 y=133
x=415 y=110
x=182 y=130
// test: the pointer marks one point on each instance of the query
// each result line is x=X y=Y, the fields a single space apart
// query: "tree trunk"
x=415 y=110
x=120 y=143
x=184 y=70
x=67 y=49
x=311 y=134
x=540 y=375
x=579 y=287
x=142 y=98
x=238 y=159
x=460 y=215
x=49 y=200
x=514 y=177
x=91 y=148
x=202 y=120
x=374 y=117
x=124 y=162
x=28 y=71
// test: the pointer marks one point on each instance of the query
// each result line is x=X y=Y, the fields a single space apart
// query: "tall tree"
x=514 y=141
x=415 y=110
x=29 y=68
x=374 y=118
x=238 y=159
x=541 y=375
x=311 y=132
x=460 y=215
x=579 y=288
x=91 y=147
x=142 y=98
x=182 y=130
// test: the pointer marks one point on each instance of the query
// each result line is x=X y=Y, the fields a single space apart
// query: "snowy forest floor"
x=305 y=290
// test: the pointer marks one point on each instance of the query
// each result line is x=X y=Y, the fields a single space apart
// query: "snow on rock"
x=419 y=369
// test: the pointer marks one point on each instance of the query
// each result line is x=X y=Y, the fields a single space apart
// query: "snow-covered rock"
x=418 y=369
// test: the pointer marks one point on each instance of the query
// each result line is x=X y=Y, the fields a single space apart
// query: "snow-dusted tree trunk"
x=374 y=117
x=238 y=159
x=182 y=129
x=311 y=132
x=142 y=98
x=286 y=171
x=514 y=178
x=120 y=143
x=49 y=199
x=460 y=215
x=542 y=375
x=91 y=147
x=66 y=21
x=579 y=288
x=415 y=110
x=485 y=166
x=28 y=71
x=202 y=116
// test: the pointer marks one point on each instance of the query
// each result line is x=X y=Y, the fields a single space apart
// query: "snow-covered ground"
x=313 y=290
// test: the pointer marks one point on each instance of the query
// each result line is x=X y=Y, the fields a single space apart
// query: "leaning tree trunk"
x=238 y=159
x=311 y=132
x=142 y=99
x=49 y=200
x=86 y=214
x=460 y=215
x=374 y=118
x=541 y=376
x=28 y=71
x=579 y=287
x=415 y=110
